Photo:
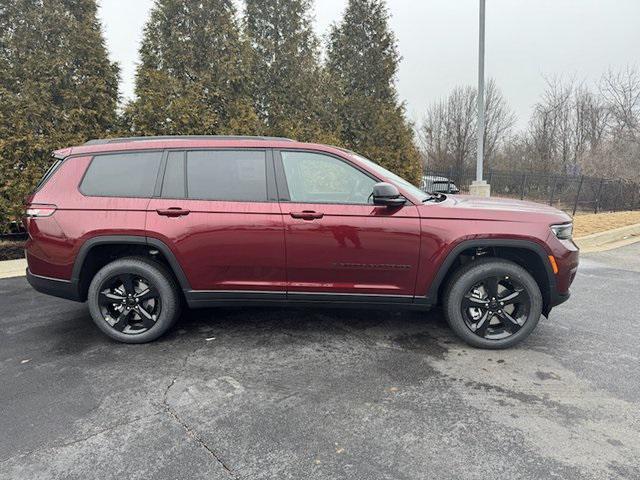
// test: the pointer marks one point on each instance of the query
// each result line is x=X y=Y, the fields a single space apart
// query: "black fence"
x=570 y=193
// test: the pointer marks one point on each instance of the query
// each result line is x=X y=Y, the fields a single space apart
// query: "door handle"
x=172 y=212
x=307 y=215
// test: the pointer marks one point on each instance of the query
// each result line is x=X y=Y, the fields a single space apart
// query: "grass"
x=586 y=224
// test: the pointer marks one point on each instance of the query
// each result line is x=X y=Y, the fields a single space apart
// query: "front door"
x=218 y=212
x=339 y=243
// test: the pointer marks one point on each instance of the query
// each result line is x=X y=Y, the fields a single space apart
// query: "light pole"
x=479 y=186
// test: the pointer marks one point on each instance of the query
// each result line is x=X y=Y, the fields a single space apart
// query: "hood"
x=494 y=208
x=506 y=204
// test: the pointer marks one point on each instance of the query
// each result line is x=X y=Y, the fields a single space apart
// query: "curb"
x=13 y=268
x=617 y=237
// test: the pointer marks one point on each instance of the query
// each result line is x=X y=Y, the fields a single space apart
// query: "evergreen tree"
x=57 y=88
x=194 y=70
x=363 y=60
x=292 y=92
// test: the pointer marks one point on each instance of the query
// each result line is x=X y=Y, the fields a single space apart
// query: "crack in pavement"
x=45 y=448
x=174 y=415
x=199 y=440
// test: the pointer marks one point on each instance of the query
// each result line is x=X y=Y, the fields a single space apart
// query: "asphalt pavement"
x=325 y=394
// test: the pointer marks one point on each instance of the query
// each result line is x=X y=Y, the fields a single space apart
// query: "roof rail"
x=104 y=141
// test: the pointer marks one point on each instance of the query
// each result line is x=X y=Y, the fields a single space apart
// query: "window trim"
x=53 y=168
x=283 y=184
x=269 y=173
x=163 y=168
x=120 y=152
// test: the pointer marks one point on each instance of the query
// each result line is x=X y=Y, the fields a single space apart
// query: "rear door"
x=337 y=242
x=217 y=210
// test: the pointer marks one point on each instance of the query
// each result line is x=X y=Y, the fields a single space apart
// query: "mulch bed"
x=599 y=222
x=11 y=249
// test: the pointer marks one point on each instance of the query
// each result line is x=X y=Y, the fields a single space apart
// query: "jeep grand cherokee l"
x=138 y=227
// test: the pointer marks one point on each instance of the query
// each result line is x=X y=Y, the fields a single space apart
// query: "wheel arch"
x=526 y=253
x=97 y=251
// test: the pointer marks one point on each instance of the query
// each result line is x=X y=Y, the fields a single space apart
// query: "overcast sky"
x=526 y=40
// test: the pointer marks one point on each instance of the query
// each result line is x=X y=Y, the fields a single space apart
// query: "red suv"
x=138 y=227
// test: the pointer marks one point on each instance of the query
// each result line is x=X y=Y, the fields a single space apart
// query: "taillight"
x=40 y=210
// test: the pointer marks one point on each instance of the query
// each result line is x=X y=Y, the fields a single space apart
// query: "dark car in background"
x=438 y=184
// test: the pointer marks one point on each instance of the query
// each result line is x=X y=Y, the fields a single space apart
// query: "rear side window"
x=235 y=175
x=122 y=175
x=174 y=184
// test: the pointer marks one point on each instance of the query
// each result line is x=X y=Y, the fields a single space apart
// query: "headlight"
x=563 y=231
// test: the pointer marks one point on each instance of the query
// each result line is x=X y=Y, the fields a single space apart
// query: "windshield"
x=392 y=176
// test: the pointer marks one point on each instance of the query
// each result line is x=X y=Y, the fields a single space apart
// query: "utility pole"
x=480 y=159
x=479 y=186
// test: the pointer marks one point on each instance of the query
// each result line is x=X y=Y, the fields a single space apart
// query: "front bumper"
x=558 y=299
x=567 y=256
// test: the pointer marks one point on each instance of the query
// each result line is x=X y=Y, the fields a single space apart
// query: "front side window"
x=122 y=175
x=233 y=175
x=318 y=178
x=383 y=172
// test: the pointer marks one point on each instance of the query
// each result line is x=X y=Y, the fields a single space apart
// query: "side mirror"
x=387 y=194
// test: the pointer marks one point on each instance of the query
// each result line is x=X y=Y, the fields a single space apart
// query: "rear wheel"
x=134 y=300
x=493 y=303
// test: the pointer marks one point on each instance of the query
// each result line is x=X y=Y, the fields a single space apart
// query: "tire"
x=468 y=297
x=151 y=309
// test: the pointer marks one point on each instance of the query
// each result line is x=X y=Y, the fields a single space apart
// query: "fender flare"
x=128 y=240
x=432 y=294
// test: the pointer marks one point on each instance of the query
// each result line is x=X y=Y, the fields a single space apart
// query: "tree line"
x=574 y=129
x=203 y=69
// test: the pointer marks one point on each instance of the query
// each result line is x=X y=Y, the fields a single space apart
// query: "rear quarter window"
x=122 y=175
x=48 y=174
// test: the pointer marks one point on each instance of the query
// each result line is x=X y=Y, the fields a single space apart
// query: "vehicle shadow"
x=425 y=331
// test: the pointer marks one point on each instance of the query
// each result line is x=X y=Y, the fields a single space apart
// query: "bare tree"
x=592 y=117
x=550 y=127
x=621 y=92
x=567 y=122
x=433 y=137
x=619 y=151
x=573 y=129
x=449 y=130
x=499 y=119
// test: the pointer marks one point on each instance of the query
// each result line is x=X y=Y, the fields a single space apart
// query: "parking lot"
x=291 y=393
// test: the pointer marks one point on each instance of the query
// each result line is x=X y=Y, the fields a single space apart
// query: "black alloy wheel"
x=134 y=299
x=129 y=303
x=492 y=303
x=496 y=307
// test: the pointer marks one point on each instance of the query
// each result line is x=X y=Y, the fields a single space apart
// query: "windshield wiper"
x=434 y=196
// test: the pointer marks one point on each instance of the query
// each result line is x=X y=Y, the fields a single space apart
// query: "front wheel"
x=133 y=300
x=493 y=303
